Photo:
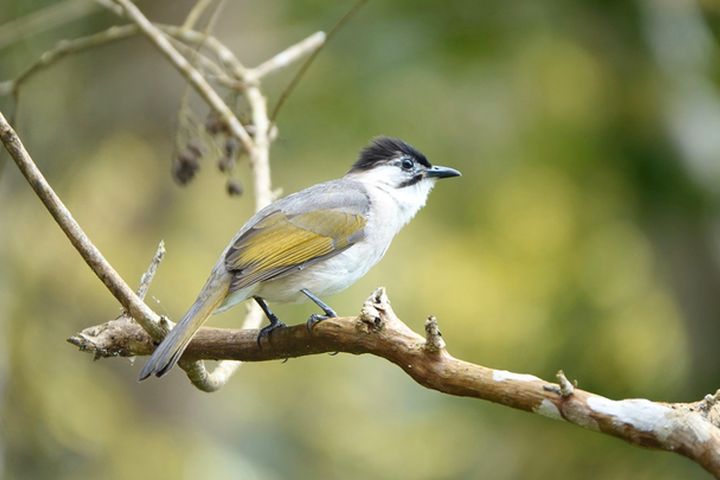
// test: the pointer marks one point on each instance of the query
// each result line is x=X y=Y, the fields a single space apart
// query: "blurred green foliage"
x=582 y=236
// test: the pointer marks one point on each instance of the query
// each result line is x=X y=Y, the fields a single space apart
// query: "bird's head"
x=389 y=162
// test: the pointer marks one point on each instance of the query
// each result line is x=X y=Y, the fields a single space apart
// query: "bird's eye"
x=407 y=164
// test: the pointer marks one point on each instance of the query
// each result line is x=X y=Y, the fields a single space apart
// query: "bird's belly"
x=326 y=277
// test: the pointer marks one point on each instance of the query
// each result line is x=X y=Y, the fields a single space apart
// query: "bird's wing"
x=296 y=233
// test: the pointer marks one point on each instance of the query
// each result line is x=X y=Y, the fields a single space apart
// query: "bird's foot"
x=316 y=318
x=274 y=321
x=265 y=331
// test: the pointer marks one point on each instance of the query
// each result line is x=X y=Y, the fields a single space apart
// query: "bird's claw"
x=265 y=331
x=314 y=319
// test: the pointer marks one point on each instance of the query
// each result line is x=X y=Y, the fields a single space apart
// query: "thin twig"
x=121 y=32
x=148 y=276
x=67 y=47
x=209 y=68
x=187 y=126
x=43 y=19
x=195 y=13
x=290 y=55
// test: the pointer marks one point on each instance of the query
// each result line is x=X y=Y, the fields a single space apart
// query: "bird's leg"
x=315 y=318
x=274 y=320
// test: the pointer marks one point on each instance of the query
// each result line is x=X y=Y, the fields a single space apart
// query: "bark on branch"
x=689 y=429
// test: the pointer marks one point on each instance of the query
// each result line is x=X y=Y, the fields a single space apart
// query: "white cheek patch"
x=408 y=200
x=389 y=175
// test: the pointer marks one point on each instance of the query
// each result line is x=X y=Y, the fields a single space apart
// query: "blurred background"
x=583 y=235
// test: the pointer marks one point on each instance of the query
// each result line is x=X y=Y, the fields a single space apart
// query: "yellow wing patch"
x=280 y=242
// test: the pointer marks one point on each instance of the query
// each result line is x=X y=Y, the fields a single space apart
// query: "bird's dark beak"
x=441 y=172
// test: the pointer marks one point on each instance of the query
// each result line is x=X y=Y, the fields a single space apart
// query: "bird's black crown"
x=382 y=149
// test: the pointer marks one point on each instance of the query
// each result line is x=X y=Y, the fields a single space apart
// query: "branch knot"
x=565 y=388
x=373 y=315
x=433 y=338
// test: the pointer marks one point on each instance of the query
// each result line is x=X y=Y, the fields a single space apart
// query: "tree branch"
x=688 y=429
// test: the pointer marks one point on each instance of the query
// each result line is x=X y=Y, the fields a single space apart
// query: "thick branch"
x=684 y=428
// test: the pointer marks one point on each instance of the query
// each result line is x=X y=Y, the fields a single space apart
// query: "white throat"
x=406 y=200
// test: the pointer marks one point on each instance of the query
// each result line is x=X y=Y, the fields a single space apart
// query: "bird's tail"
x=167 y=354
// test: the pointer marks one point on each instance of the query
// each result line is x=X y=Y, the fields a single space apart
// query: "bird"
x=312 y=243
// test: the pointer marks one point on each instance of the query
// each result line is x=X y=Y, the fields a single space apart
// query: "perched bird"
x=314 y=242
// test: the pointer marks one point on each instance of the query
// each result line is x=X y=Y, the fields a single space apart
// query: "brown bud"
x=225 y=164
x=234 y=187
x=215 y=125
x=231 y=147
x=184 y=167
